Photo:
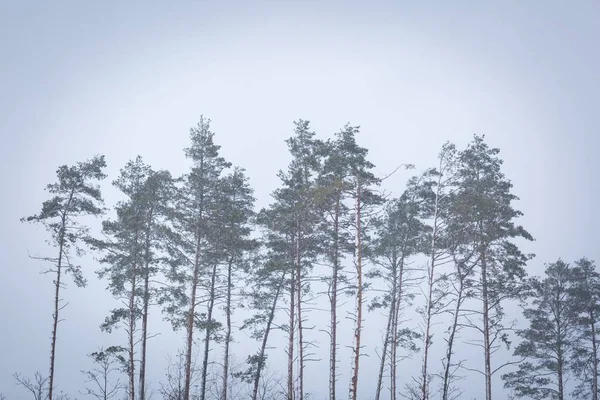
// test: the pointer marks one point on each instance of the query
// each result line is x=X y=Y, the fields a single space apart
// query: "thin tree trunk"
x=486 y=328
x=427 y=344
x=384 y=351
x=105 y=383
x=394 y=350
x=132 y=305
x=190 y=323
x=56 y=308
x=450 y=347
x=227 y=330
x=594 y=358
x=391 y=339
x=560 y=349
x=211 y=304
x=132 y=318
x=142 y=383
x=131 y=333
x=560 y=369
x=263 y=347
x=430 y=283
x=61 y=244
x=333 y=303
x=359 y=297
x=290 y=380
x=394 y=356
x=299 y=304
x=399 y=282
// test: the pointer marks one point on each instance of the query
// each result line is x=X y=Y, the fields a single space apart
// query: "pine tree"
x=438 y=185
x=280 y=263
x=296 y=201
x=483 y=207
x=191 y=243
x=129 y=255
x=461 y=282
x=301 y=179
x=290 y=224
x=333 y=186
x=586 y=302
x=236 y=213
x=158 y=193
x=267 y=279
x=449 y=266
x=74 y=196
x=548 y=342
x=362 y=193
x=399 y=234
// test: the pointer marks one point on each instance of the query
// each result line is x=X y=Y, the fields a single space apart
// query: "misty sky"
x=129 y=78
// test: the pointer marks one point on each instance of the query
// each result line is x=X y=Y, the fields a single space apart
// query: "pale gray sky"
x=128 y=78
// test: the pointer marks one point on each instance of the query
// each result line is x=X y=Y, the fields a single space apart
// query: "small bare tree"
x=106 y=364
x=38 y=387
x=175 y=386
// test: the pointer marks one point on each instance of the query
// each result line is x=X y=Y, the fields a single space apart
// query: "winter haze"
x=129 y=78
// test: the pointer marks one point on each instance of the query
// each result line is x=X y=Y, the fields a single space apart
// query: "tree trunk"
x=142 y=383
x=299 y=304
x=227 y=330
x=359 y=297
x=190 y=323
x=131 y=333
x=263 y=347
x=450 y=342
x=211 y=305
x=290 y=380
x=394 y=350
x=430 y=287
x=61 y=244
x=384 y=351
x=427 y=344
x=594 y=358
x=56 y=308
x=399 y=282
x=560 y=349
x=486 y=328
x=333 y=303
x=394 y=357
x=105 y=383
x=430 y=284
x=560 y=371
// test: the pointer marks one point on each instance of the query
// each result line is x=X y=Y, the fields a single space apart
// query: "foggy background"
x=129 y=78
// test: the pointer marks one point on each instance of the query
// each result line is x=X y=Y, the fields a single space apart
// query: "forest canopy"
x=431 y=268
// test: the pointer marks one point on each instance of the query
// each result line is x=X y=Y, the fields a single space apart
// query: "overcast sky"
x=128 y=78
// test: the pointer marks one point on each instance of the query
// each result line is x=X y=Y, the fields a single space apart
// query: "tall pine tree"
x=191 y=243
x=548 y=343
x=364 y=197
x=483 y=209
x=586 y=301
x=297 y=202
x=332 y=193
x=74 y=195
x=133 y=239
x=399 y=235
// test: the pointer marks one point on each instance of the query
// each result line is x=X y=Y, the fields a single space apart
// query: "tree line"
x=445 y=251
